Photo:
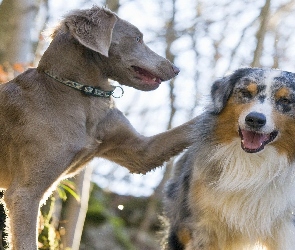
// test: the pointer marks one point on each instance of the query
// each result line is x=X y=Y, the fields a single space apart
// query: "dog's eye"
x=244 y=93
x=284 y=101
x=138 y=39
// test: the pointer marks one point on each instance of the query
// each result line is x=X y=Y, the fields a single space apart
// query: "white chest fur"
x=254 y=191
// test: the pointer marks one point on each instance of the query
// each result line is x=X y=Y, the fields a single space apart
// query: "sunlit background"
x=206 y=39
x=213 y=38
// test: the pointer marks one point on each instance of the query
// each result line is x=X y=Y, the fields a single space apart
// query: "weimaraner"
x=57 y=117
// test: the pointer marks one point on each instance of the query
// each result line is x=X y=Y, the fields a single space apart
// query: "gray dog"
x=234 y=189
x=55 y=118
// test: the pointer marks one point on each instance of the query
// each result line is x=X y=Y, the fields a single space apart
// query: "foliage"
x=67 y=186
x=119 y=219
x=49 y=237
x=211 y=38
x=99 y=212
x=49 y=232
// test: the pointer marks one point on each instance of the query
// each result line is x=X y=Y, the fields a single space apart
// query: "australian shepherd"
x=234 y=189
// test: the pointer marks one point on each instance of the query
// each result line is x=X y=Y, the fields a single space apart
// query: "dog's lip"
x=146 y=76
x=253 y=141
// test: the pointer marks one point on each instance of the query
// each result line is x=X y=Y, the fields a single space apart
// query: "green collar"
x=87 y=90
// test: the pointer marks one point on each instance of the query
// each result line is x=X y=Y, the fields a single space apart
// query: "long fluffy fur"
x=223 y=198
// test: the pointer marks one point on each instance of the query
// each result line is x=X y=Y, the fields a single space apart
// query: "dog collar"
x=85 y=89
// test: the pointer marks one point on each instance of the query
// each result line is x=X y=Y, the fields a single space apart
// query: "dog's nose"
x=175 y=69
x=255 y=120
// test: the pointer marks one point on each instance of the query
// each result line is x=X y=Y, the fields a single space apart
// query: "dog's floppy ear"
x=93 y=28
x=222 y=88
x=220 y=92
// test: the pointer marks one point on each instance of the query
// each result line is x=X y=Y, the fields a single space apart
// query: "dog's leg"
x=23 y=207
x=141 y=154
x=151 y=152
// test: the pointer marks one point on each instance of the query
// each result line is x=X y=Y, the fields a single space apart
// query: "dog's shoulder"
x=25 y=80
x=21 y=95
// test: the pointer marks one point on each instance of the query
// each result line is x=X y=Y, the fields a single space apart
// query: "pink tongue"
x=149 y=79
x=146 y=76
x=252 y=140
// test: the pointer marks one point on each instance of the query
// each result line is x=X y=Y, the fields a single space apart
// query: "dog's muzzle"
x=252 y=139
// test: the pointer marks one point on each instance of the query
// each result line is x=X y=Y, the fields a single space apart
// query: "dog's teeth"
x=154 y=79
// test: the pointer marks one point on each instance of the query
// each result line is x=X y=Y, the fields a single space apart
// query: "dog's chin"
x=148 y=87
x=145 y=85
x=253 y=141
x=140 y=84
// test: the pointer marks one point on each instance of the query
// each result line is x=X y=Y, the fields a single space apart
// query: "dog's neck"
x=68 y=59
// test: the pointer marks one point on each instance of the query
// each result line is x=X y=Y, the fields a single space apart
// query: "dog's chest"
x=252 y=192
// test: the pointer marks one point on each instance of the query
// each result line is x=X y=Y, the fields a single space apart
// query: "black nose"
x=175 y=69
x=255 y=120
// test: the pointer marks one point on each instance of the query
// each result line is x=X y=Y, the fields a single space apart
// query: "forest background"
x=206 y=39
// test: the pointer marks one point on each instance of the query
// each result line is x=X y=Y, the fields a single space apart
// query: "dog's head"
x=120 y=47
x=257 y=105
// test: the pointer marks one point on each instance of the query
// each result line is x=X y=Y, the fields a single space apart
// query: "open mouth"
x=253 y=142
x=146 y=76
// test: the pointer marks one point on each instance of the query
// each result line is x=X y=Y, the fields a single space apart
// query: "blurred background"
x=105 y=207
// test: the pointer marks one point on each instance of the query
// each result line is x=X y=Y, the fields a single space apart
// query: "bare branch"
x=260 y=35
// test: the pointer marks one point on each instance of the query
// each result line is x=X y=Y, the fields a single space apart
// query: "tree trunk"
x=17 y=18
x=151 y=210
x=260 y=35
x=75 y=211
